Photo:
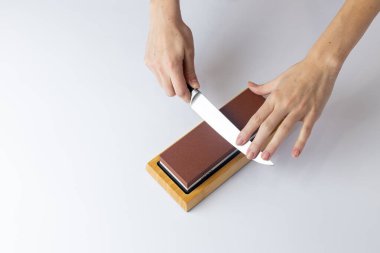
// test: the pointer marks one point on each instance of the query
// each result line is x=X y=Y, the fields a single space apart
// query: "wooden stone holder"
x=188 y=201
x=238 y=110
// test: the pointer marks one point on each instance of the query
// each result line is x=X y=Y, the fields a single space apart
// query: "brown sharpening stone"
x=202 y=148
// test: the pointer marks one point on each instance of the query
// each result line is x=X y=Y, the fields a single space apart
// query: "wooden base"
x=188 y=201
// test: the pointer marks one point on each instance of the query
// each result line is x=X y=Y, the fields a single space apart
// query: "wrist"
x=165 y=10
x=325 y=59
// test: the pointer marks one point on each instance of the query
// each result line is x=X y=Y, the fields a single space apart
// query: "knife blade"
x=220 y=123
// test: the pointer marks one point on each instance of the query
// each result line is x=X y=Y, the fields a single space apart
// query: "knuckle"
x=156 y=67
x=314 y=113
x=285 y=127
x=300 y=109
x=286 y=103
x=267 y=125
x=181 y=93
x=190 y=76
x=190 y=53
x=297 y=116
x=172 y=63
x=298 y=112
x=188 y=30
x=170 y=93
x=304 y=104
x=307 y=128
x=274 y=96
x=159 y=68
x=149 y=63
x=257 y=118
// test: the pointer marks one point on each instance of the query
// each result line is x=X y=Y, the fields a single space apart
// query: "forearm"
x=167 y=9
x=345 y=30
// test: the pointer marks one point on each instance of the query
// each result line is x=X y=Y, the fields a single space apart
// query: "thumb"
x=189 y=72
x=262 y=90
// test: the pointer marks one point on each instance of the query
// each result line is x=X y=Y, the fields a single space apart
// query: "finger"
x=149 y=63
x=302 y=137
x=262 y=90
x=189 y=70
x=158 y=77
x=153 y=69
x=254 y=123
x=265 y=130
x=282 y=132
x=179 y=82
x=166 y=84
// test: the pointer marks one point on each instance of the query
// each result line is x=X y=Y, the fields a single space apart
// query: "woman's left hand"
x=298 y=94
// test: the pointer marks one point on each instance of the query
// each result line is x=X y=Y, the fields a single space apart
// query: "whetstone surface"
x=202 y=148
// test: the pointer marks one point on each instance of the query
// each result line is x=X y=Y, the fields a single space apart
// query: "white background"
x=80 y=116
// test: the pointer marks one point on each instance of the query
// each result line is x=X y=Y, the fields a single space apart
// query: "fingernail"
x=265 y=155
x=239 y=140
x=296 y=152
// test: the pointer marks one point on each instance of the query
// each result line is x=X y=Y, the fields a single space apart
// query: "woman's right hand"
x=170 y=50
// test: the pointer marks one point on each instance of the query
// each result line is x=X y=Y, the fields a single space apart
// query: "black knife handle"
x=190 y=88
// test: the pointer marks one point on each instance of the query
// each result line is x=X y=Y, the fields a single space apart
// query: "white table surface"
x=80 y=116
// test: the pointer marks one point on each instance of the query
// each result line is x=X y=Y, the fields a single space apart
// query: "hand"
x=299 y=94
x=170 y=54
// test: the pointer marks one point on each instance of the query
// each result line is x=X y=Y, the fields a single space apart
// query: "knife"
x=220 y=123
